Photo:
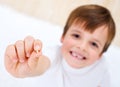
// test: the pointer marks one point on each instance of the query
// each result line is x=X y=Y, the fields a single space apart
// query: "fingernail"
x=37 y=48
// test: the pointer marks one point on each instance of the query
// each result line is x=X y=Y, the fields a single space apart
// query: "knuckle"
x=19 y=43
x=38 y=42
x=9 y=48
x=29 y=38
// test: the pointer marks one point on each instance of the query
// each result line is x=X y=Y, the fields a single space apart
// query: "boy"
x=78 y=62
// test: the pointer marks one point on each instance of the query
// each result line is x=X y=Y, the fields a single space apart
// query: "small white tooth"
x=77 y=55
x=80 y=56
x=74 y=54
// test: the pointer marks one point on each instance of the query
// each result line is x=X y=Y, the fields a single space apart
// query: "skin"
x=79 y=48
x=25 y=59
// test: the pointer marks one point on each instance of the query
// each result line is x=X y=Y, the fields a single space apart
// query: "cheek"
x=94 y=55
x=68 y=44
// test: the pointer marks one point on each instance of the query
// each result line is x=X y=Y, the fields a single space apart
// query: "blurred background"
x=57 y=11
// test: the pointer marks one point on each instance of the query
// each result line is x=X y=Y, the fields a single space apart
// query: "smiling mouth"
x=77 y=55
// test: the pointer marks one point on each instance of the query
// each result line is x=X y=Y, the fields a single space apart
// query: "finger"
x=34 y=57
x=33 y=60
x=41 y=64
x=11 y=58
x=37 y=46
x=29 y=45
x=20 y=50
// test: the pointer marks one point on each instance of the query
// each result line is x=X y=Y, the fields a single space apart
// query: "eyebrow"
x=76 y=31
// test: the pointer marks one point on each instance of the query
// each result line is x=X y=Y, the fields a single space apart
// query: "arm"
x=25 y=58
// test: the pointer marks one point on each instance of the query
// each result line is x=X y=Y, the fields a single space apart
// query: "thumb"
x=37 y=46
x=34 y=57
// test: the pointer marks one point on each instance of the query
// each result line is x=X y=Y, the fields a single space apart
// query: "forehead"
x=89 y=28
x=87 y=25
x=101 y=32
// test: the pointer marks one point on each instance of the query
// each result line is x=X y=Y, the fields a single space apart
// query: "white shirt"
x=62 y=75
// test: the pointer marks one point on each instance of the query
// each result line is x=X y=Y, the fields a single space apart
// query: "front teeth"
x=77 y=55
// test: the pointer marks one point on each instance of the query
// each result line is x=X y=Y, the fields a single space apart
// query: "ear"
x=62 y=38
x=100 y=56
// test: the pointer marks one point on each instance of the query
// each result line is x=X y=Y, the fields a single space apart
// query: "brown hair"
x=92 y=16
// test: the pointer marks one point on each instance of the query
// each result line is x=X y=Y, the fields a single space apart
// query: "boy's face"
x=81 y=48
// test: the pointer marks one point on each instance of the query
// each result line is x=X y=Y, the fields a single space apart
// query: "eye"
x=76 y=35
x=94 y=44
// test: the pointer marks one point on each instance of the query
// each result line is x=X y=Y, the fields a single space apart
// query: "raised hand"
x=25 y=58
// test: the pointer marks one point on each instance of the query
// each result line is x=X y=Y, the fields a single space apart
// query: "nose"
x=82 y=45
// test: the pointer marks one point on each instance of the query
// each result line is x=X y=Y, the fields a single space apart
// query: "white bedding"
x=14 y=26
